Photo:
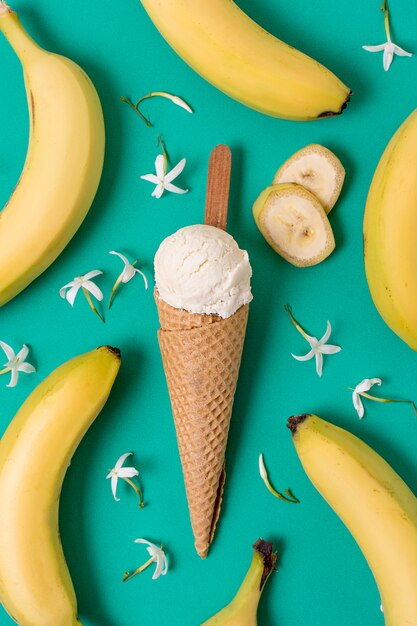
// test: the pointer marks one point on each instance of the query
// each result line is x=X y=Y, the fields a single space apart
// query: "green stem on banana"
x=137 y=490
x=128 y=576
x=92 y=307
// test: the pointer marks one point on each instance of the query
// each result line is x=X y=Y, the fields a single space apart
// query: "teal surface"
x=322 y=577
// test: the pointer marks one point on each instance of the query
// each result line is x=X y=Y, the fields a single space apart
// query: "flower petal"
x=329 y=349
x=176 y=171
x=114 y=481
x=401 y=52
x=127 y=472
x=128 y=273
x=27 y=368
x=145 y=541
x=121 y=256
x=306 y=357
x=93 y=289
x=367 y=383
x=388 y=56
x=262 y=468
x=174 y=189
x=158 y=191
x=327 y=334
x=158 y=568
x=14 y=378
x=145 y=280
x=319 y=363
x=72 y=293
x=159 y=166
x=92 y=274
x=8 y=350
x=63 y=289
x=22 y=354
x=121 y=460
x=164 y=571
x=377 y=48
x=151 y=178
x=357 y=403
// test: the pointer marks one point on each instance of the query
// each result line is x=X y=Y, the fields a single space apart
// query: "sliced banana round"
x=294 y=224
x=318 y=170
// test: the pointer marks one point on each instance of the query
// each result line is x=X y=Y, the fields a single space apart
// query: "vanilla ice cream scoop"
x=202 y=269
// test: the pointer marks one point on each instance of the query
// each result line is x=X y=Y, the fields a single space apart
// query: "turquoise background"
x=322 y=577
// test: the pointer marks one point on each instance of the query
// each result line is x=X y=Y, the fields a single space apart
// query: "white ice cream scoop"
x=201 y=269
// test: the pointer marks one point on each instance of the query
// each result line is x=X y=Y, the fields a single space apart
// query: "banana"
x=294 y=224
x=389 y=228
x=236 y=55
x=35 y=451
x=63 y=164
x=373 y=501
x=318 y=170
x=244 y=606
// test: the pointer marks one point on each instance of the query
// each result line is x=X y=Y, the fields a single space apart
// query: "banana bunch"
x=243 y=608
x=374 y=503
x=240 y=58
x=389 y=225
x=35 y=451
x=63 y=164
x=292 y=212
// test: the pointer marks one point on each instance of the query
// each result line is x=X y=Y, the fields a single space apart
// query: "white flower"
x=157 y=556
x=128 y=273
x=318 y=348
x=121 y=472
x=288 y=497
x=16 y=363
x=70 y=290
x=362 y=387
x=390 y=49
x=163 y=180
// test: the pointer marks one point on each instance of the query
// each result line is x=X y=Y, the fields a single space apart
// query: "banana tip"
x=114 y=351
x=342 y=108
x=295 y=420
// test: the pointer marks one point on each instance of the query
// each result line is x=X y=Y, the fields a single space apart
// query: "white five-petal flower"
x=121 y=472
x=389 y=48
x=364 y=386
x=162 y=179
x=129 y=271
x=318 y=348
x=157 y=556
x=16 y=363
x=70 y=290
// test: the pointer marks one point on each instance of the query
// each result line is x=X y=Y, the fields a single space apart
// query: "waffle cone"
x=201 y=355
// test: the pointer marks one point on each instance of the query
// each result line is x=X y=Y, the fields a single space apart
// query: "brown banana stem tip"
x=295 y=420
x=265 y=550
x=342 y=108
x=114 y=351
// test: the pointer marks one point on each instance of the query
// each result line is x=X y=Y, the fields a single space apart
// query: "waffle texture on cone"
x=201 y=355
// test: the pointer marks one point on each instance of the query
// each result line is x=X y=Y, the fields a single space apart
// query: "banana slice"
x=294 y=224
x=318 y=170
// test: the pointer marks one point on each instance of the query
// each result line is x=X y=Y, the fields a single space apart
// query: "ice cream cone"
x=201 y=355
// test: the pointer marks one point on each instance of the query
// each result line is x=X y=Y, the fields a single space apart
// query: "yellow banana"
x=374 y=503
x=244 y=606
x=63 y=164
x=35 y=451
x=236 y=55
x=389 y=226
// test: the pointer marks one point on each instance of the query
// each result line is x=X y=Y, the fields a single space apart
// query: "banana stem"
x=137 y=490
x=92 y=307
x=127 y=576
x=16 y=35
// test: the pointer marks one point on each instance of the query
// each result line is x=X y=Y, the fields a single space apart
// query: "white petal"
x=121 y=460
x=14 y=378
x=174 y=189
x=72 y=293
x=327 y=334
x=262 y=468
x=145 y=541
x=388 y=56
x=128 y=273
x=151 y=178
x=159 y=166
x=114 y=480
x=121 y=256
x=319 y=363
x=176 y=171
x=401 y=52
x=377 y=48
x=27 y=368
x=367 y=383
x=158 y=568
x=92 y=274
x=127 y=472
x=164 y=571
x=306 y=357
x=158 y=191
x=65 y=287
x=329 y=349
x=9 y=352
x=94 y=290
x=357 y=403
x=181 y=103
x=145 y=280
x=22 y=354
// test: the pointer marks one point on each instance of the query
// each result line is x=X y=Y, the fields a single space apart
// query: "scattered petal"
x=125 y=473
